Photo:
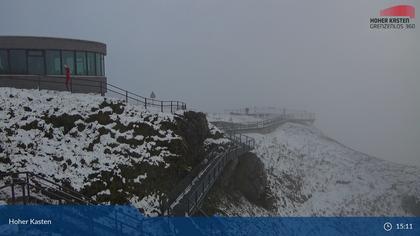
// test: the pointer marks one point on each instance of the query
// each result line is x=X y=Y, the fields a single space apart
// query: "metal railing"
x=29 y=185
x=161 y=105
x=195 y=186
x=266 y=123
x=34 y=188
x=262 y=110
x=77 y=85
x=194 y=190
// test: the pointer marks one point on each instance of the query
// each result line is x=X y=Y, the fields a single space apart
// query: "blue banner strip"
x=125 y=220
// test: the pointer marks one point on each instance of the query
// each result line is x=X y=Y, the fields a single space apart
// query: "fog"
x=320 y=56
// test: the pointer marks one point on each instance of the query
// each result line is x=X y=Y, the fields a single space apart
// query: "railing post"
x=161 y=106
x=60 y=200
x=126 y=96
x=13 y=191
x=23 y=194
x=27 y=186
x=177 y=103
x=39 y=83
x=171 y=106
x=145 y=103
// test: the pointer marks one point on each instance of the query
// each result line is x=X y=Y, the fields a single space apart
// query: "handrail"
x=194 y=189
x=263 y=111
x=188 y=202
x=61 y=187
x=48 y=181
x=103 y=87
x=38 y=183
x=54 y=192
x=262 y=124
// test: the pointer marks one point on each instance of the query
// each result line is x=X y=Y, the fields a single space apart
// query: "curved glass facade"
x=4 y=62
x=51 y=62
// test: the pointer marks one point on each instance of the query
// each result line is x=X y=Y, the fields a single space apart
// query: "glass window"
x=53 y=62
x=98 y=64
x=91 y=63
x=37 y=53
x=4 y=62
x=36 y=62
x=68 y=59
x=102 y=65
x=17 y=61
x=81 y=63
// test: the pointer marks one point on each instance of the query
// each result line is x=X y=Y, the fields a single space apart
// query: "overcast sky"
x=363 y=84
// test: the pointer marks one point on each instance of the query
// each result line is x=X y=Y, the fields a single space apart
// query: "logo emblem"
x=399 y=17
x=399 y=11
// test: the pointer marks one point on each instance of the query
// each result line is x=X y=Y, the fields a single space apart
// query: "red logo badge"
x=400 y=10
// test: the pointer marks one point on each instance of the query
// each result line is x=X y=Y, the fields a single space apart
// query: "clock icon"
x=387 y=226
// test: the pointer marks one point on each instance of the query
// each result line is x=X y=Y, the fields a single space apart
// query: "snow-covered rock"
x=313 y=175
x=111 y=151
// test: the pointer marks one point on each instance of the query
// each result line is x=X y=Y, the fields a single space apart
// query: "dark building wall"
x=79 y=84
x=22 y=42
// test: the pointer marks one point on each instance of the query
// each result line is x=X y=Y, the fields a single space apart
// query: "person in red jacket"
x=67 y=72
